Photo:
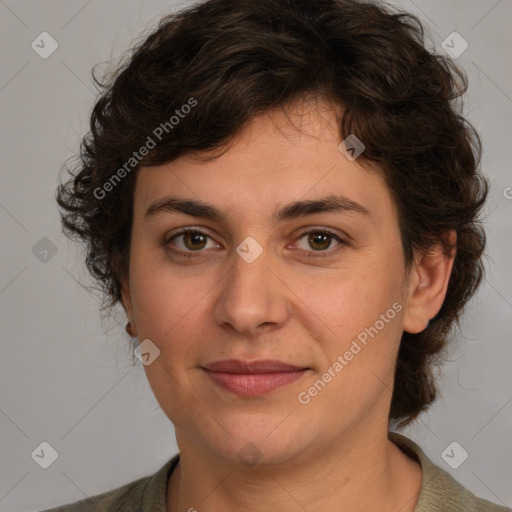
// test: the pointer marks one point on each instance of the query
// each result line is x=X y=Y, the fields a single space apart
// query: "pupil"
x=196 y=238
x=317 y=239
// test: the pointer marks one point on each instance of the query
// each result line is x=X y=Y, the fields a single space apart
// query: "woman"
x=285 y=201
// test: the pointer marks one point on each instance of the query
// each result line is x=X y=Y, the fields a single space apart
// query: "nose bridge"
x=249 y=296
x=250 y=265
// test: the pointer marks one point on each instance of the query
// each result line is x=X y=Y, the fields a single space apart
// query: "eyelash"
x=312 y=254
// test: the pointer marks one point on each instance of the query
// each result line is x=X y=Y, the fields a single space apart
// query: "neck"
x=363 y=474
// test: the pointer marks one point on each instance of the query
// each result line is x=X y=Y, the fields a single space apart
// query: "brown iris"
x=322 y=240
x=194 y=238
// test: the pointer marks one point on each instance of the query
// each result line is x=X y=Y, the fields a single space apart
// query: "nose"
x=252 y=296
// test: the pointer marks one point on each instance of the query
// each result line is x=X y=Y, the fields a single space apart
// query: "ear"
x=126 y=300
x=428 y=283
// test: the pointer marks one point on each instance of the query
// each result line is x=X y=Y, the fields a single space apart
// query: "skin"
x=290 y=304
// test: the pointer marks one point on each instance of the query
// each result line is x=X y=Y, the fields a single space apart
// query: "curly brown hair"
x=236 y=59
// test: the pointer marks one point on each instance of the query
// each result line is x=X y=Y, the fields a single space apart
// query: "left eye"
x=320 y=240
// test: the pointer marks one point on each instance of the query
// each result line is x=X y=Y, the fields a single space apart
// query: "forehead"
x=279 y=158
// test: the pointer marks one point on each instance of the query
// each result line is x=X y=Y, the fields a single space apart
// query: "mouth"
x=253 y=378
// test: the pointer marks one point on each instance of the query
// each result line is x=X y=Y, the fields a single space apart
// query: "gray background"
x=66 y=376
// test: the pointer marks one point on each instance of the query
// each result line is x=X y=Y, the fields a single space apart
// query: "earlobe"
x=428 y=284
x=126 y=301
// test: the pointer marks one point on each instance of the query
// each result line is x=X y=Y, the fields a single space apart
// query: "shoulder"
x=129 y=494
x=439 y=490
x=146 y=494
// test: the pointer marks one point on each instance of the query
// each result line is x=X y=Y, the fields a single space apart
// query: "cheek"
x=166 y=310
x=355 y=298
x=160 y=296
x=359 y=352
x=361 y=314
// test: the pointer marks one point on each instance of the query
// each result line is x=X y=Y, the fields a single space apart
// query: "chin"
x=258 y=441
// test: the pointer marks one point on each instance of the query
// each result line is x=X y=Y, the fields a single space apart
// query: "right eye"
x=189 y=240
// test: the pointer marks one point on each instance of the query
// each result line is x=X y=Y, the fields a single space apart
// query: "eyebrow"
x=290 y=211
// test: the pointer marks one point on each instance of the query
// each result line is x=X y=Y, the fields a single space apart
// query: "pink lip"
x=252 y=378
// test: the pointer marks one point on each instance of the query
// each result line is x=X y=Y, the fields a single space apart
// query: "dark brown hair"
x=230 y=60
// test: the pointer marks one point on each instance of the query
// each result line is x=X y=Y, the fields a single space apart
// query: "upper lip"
x=261 y=366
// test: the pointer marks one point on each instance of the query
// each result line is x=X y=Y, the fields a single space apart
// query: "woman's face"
x=269 y=279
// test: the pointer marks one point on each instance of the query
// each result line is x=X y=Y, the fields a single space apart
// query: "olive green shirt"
x=439 y=491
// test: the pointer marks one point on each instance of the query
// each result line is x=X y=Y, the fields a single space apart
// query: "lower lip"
x=254 y=384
